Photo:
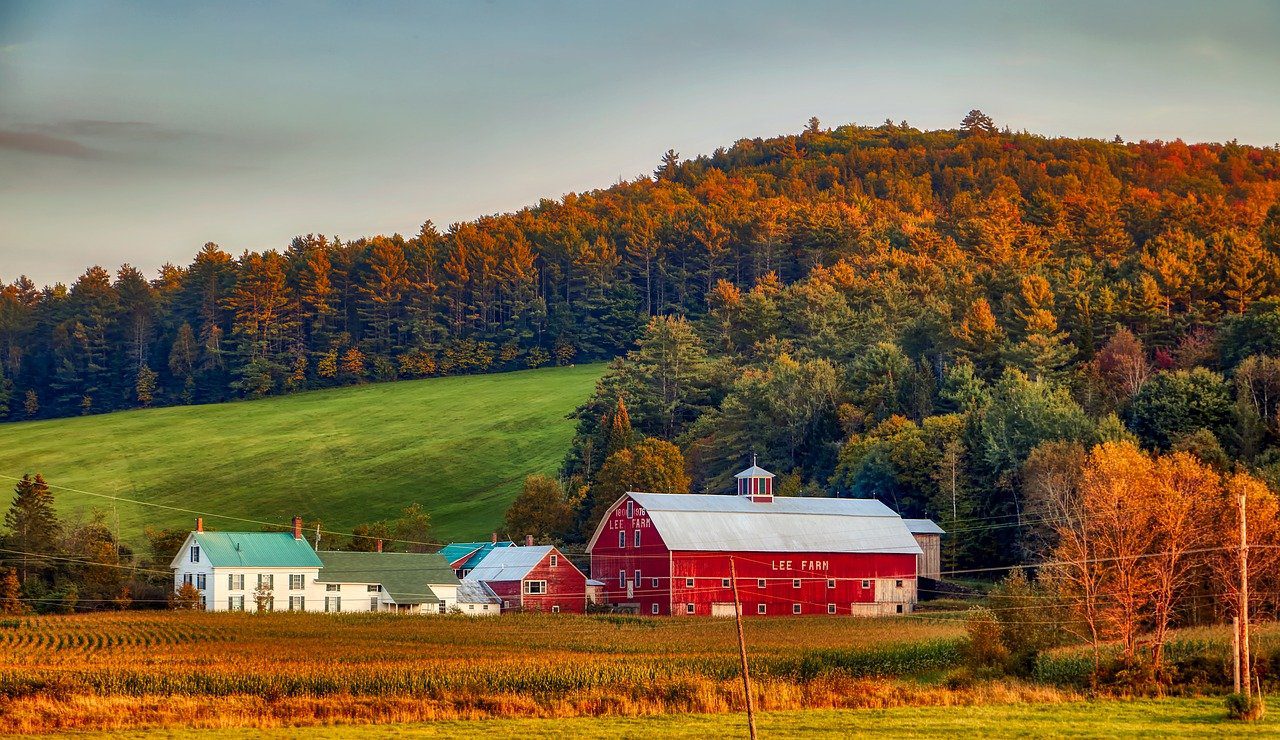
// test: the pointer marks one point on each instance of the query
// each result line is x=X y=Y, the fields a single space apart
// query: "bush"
x=984 y=650
x=1245 y=708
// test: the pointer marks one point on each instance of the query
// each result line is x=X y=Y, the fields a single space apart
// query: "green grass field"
x=1164 y=718
x=460 y=446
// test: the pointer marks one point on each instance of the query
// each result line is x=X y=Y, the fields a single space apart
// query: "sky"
x=136 y=132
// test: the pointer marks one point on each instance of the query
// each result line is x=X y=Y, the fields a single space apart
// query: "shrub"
x=1245 y=708
x=985 y=649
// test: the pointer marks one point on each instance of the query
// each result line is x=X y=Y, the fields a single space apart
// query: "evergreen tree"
x=33 y=525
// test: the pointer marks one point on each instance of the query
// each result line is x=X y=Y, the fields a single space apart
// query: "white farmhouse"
x=235 y=571
x=231 y=569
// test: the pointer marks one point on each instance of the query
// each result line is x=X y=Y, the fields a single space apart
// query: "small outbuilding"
x=929 y=536
x=533 y=578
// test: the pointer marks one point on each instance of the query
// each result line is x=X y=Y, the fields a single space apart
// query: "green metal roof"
x=405 y=576
x=256 y=550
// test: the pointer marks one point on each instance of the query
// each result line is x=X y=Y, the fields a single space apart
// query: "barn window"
x=622 y=539
x=897 y=584
x=688 y=608
x=760 y=608
x=831 y=608
x=555 y=609
x=831 y=583
x=866 y=583
x=653 y=608
x=631 y=509
x=637 y=580
x=622 y=579
x=899 y=608
x=688 y=583
x=795 y=608
x=535 y=587
x=637 y=538
x=795 y=583
x=653 y=583
x=760 y=583
x=195 y=553
x=724 y=583
x=555 y=560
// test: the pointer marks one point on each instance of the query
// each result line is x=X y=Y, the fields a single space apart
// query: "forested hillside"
x=874 y=310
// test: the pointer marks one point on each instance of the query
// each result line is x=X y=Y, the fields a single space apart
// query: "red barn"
x=670 y=553
x=533 y=578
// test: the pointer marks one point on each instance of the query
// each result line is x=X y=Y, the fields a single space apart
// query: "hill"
x=460 y=446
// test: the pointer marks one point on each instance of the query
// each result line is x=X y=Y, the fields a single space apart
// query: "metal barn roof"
x=711 y=522
x=254 y=550
x=923 y=526
x=755 y=471
x=509 y=563
x=466 y=555
x=475 y=592
x=407 y=577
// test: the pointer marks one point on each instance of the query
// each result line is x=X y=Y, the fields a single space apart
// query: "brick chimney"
x=378 y=545
x=199 y=524
x=528 y=540
x=493 y=537
x=297 y=527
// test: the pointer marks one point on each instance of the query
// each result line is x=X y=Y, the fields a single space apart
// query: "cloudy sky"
x=135 y=132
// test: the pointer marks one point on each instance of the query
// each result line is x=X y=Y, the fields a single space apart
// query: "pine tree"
x=33 y=526
x=11 y=594
x=977 y=123
x=617 y=426
x=145 y=386
x=31 y=403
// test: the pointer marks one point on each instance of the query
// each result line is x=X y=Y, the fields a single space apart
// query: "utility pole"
x=742 y=648
x=1245 y=682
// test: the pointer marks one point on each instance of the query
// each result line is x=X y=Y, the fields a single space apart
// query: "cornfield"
x=125 y=670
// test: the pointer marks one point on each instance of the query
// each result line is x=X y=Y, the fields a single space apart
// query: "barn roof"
x=471 y=591
x=923 y=526
x=509 y=563
x=254 y=550
x=465 y=555
x=710 y=522
x=407 y=577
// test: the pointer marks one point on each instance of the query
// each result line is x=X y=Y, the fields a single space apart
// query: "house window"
x=373 y=589
x=866 y=583
x=297 y=604
x=688 y=608
x=471 y=607
x=795 y=583
x=201 y=583
x=373 y=603
x=333 y=603
x=555 y=560
x=760 y=608
x=831 y=583
x=235 y=581
x=266 y=580
x=688 y=583
x=555 y=608
x=795 y=608
x=637 y=580
x=622 y=539
x=333 y=587
x=195 y=553
x=186 y=579
x=653 y=583
x=268 y=604
x=760 y=583
x=622 y=579
x=831 y=608
x=899 y=608
x=653 y=608
x=535 y=587
x=897 y=584
x=235 y=603
x=295 y=582
x=637 y=543
x=631 y=508
x=724 y=583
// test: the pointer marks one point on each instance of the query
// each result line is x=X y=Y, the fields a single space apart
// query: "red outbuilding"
x=674 y=554
x=533 y=578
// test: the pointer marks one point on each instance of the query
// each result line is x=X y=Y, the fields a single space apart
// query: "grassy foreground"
x=460 y=446
x=1165 y=718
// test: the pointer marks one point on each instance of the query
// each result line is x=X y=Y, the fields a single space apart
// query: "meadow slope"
x=460 y=446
